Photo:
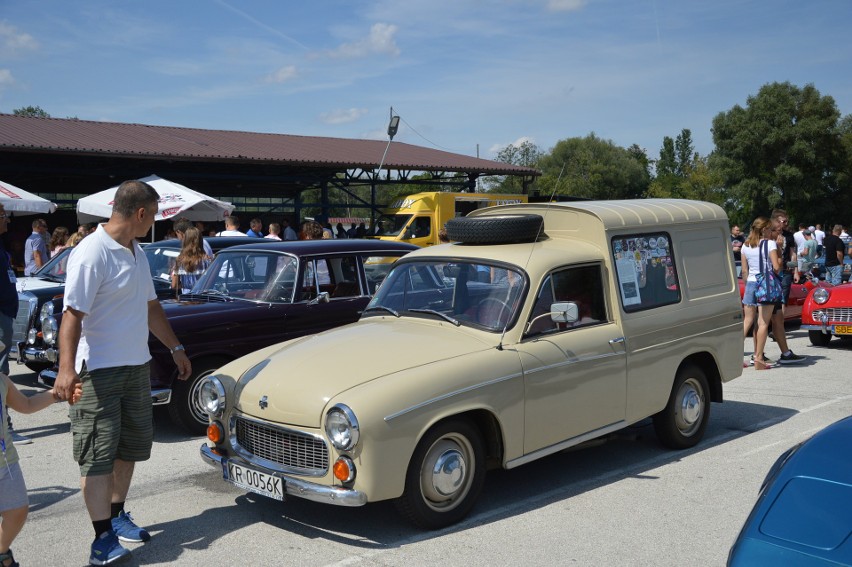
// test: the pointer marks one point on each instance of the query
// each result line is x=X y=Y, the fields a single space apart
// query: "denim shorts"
x=748 y=294
x=13 y=491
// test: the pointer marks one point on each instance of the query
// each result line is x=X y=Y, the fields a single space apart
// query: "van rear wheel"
x=682 y=423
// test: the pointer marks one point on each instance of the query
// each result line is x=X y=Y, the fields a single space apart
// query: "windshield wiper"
x=438 y=313
x=381 y=308
x=51 y=278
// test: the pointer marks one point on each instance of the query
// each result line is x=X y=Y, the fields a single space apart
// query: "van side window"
x=645 y=270
x=582 y=285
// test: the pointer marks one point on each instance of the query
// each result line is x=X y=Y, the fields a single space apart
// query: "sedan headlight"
x=821 y=295
x=48 y=330
x=45 y=312
x=342 y=428
x=211 y=396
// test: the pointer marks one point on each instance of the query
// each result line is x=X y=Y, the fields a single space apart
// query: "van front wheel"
x=682 y=423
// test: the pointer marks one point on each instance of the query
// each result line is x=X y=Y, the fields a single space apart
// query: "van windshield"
x=486 y=296
x=391 y=225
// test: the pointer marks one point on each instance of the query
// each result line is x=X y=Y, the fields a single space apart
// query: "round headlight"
x=211 y=396
x=48 y=330
x=821 y=295
x=46 y=311
x=32 y=334
x=342 y=428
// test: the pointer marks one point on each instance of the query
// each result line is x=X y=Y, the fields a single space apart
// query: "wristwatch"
x=177 y=348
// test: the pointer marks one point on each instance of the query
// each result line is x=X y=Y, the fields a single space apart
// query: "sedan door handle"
x=618 y=341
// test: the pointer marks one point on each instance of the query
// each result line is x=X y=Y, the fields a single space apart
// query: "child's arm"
x=23 y=404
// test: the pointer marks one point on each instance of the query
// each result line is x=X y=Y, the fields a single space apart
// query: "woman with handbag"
x=760 y=265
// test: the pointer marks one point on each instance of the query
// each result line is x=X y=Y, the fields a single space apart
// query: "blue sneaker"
x=106 y=549
x=127 y=530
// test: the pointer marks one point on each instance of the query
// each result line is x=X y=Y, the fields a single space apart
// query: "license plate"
x=254 y=481
x=843 y=329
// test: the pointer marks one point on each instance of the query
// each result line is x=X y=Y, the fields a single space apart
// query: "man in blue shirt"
x=256 y=229
x=35 y=249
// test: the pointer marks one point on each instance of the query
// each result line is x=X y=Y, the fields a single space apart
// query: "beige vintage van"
x=539 y=328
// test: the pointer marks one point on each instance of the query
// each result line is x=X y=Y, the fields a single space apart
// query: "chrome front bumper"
x=35 y=354
x=296 y=487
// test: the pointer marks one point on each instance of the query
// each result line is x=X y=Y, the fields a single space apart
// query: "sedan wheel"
x=818 y=338
x=184 y=408
x=445 y=476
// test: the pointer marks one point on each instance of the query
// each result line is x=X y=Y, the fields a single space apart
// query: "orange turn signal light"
x=215 y=432
x=344 y=469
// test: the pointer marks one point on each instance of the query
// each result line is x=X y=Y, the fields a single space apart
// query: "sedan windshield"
x=161 y=260
x=54 y=269
x=259 y=276
x=463 y=293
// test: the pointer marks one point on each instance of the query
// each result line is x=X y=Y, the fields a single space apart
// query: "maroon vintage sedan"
x=256 y=295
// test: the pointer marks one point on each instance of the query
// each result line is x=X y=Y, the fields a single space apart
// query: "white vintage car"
x=544 y=326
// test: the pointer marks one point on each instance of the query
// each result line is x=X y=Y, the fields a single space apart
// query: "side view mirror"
x=564 y=312
x=559 y=313
x=323 y=297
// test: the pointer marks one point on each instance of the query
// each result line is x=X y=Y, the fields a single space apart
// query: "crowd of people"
x=771 y=246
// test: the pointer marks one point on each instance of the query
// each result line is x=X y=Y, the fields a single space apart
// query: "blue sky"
x=460 y=73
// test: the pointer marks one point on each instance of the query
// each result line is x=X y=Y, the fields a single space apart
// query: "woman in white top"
x=761 y=230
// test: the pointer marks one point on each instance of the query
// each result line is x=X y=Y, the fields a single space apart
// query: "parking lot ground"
x=625 y=501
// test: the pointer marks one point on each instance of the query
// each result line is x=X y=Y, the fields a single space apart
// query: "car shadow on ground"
x=630 y=453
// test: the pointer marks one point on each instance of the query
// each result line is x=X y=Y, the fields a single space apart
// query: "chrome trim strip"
x=575 y=361
x=451 y=394
x=566 y=444
x=298 y=488
x=684 y=338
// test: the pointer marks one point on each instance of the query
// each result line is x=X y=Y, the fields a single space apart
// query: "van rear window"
x=645 y=271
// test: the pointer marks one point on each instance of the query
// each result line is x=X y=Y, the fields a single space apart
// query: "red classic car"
x=827 y=312
x=798 y=294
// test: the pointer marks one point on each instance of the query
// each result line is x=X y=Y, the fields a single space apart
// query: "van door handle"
x=618 y=341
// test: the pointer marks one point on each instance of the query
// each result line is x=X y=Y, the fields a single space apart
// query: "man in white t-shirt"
x=232 y=227
x=110 y=307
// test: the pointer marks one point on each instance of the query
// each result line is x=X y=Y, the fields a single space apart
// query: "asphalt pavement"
x=626 y=501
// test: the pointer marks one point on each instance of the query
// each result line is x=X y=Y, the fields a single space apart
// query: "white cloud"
x=380 y=40
x=565 y=5
x=6 y=78
x=13 y=42
x=282 y=75
x=343 y=115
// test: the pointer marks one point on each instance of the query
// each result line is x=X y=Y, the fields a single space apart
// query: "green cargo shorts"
x=113 y=419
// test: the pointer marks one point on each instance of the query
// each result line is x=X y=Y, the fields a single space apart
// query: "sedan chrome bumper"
x=296 y=487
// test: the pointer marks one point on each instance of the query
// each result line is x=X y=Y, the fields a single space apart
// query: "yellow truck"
x=418 y=218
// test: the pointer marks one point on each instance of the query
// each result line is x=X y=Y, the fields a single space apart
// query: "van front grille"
x=293 y=451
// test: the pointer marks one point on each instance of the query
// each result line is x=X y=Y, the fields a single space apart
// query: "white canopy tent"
x=176 y=200
x=15 y=199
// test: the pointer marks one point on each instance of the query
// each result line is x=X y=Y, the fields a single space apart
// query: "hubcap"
x=691 y=407
x=446 y=472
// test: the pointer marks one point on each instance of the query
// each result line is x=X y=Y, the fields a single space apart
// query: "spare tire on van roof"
x=498 y=229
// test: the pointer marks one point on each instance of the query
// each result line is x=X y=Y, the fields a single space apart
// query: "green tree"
x=35 y=111
x=684 y=151
x=593 y=168
x=525 y=154
x=782 y=150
